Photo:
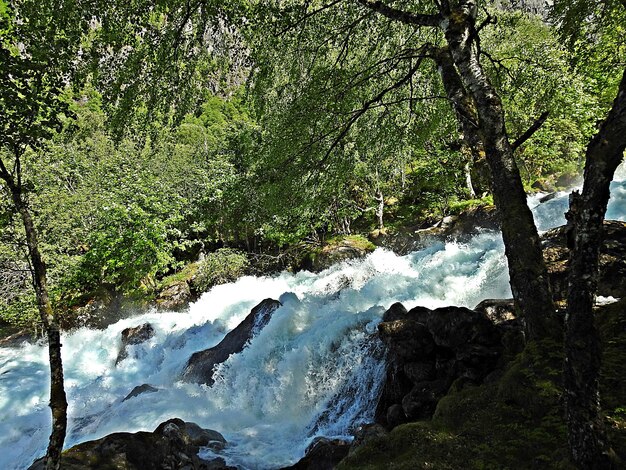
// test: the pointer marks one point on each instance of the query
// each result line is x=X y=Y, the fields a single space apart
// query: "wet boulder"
x=133 y=336
x=175 y=297
x=201 y=364
x=173 y=444
x=139 y=390
x=497 y=310
x=407 y=338
x=335 y=251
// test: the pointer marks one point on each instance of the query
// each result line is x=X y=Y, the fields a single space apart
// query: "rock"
x=139 y=389
x=472 y=220
x=200 y=366
x=543 y=185
x=457 y=328
x=407 y=338
x=497 y=310
x=395 y=312
x=174 y=297
x=395 y=416
x=365 y=434
x=428 y=350
x=548 y=197
x=408 y=239
x=15 y=339
x=173 y=445
x=419 y=371
x=421 y=401
x=322 y=454
x=132 y=336
x=191 y=434
x=568 y=180
x=612 y=272
x=350 y=247
x=449 y=220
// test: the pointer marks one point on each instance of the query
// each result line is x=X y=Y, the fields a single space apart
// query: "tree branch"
x=406 y=17
x=366 y=106
x=531 y=130
x=306 y=16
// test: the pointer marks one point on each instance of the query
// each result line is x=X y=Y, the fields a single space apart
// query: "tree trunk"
x=58 y=401
x=528 y=274
x=472 y=145
x=380 y=209
x=587 y=440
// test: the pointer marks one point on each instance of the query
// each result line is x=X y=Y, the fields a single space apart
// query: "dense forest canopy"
x=137 y=136
x=300 y=128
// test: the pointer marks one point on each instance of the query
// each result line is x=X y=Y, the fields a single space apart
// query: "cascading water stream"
x=313 y=370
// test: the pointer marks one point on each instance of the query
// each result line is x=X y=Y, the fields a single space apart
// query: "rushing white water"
x=313 y=370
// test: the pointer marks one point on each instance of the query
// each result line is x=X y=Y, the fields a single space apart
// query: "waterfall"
x=313 y=370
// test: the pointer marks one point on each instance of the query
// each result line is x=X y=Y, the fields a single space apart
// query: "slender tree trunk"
x=472 y=145
x=467 y=168
x=380 y=209
x=528 y=274
x=587 y=440
x=58 y=400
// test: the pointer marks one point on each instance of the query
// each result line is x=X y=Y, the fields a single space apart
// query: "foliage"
x=222 y=266
x=532 y=72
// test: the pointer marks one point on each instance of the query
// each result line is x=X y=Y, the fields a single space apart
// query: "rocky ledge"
x=431 y=351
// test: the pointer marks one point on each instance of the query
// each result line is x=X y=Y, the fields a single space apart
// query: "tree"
x=599 y=24
x=371 y=56
x=39 y=44
x=337 y=35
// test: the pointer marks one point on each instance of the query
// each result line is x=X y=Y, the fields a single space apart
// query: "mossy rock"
x=514 y=421
x=611 y=324
x=335 y=250
x=411 y=446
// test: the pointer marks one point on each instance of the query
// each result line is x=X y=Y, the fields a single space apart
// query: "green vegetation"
x=513 y=421
x=222 y=266
x=137 y=137
x=120 y=208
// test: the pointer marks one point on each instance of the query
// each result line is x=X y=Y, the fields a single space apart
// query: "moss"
x=516 y=421
x=611 y=324
x=456 y=207
x=357 y=242
x=410 y=446
x=513 y=422
x=184 y=275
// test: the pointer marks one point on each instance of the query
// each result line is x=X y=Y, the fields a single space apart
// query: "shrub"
x=222 y=266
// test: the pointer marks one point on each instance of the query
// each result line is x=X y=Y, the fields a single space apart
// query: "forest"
x=151 y=151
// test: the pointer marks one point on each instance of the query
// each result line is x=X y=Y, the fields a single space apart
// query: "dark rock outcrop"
x=174 y=444
x=612 y=275
x=201 y=364
x=497 y=310
x=412 y=238
x=322 y=454
x=428 y=351
x=132 y=336
x=14 y=338
x=140 y=389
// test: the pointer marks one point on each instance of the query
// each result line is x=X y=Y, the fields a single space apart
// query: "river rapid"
x=314 y=370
